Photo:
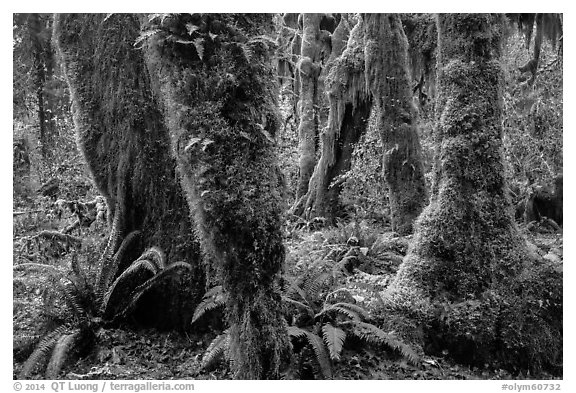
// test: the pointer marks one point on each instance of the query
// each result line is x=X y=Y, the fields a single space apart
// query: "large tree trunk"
x=387 y=75
x=350 y=106
x=309 y=70
x=220 y=106
x=468 y=278
x=121 y=133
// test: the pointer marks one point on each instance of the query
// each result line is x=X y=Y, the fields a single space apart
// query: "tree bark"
x=350 y=106
x=220 y=107
x=35 y=28
x=309 y=69
x=120 y=131
x=387 y=75
x=468 y=279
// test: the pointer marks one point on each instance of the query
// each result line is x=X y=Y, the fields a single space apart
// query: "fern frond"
x=214 y=298
x=60 y=353
x=39 y=355
x=374 y=335
x=216 y=350
x=296 y=332
x=213 y=291
x=151 y=282
x=156 y=256
x=322 y=356
x=68 y=287
x=340 y=308
x=314 y=284
x=353 y=307
x=294 y=289
x=318 y=347
x=72 y=298
x=118 y=257
x=298 y=304
x=107 y=264
x=137 y=273
x=334 y=338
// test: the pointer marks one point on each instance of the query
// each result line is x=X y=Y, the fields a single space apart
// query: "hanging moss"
x=387 y=75
x=220 y=106
x=121 y=134
x=420 y=30
x=350 y=107
x=468 y=279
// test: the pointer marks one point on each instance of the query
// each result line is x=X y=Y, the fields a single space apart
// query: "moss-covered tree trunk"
x=420 y=30
x=217 y=86
x=387 y=75
x=309 y=70
x=121 y=133
x=468 y=277
x=350 y=106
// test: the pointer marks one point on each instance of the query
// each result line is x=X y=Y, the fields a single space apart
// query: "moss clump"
x=468 y=278
x=349 y=109
x=221 y=112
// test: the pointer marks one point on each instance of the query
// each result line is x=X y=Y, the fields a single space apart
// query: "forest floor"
x=129 y=353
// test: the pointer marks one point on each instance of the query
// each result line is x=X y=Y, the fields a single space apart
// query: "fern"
x=39 y=355
x=334 y=338
x=68 y=288
x=60 y=353
x=150 y=283
x=298 y=304
x=107 y=264
x=126 y=244
x=314 y=283
x=322 y=357
x=294 y=289
x=216 y=350
x=155 y=255
x=374 y=335
x=212 y=299
x=345 y=309
x=137 y=272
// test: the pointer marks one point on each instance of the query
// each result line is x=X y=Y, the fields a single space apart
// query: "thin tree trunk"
x=468 y=279
x=220 y=106
x=387 y=74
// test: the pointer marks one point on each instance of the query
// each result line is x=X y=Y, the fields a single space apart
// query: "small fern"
x=318 y=346
x=329 y=320
x=139 y=291
x=374 y=335
x=156 y=256
x=214 y=298
x=217 y=350
x=63 y=346
x=38 y=357
x=93 y=304
x=334 y=339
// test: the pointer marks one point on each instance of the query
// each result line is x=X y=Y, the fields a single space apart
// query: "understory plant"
x=82 y=304
x=322 y=318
